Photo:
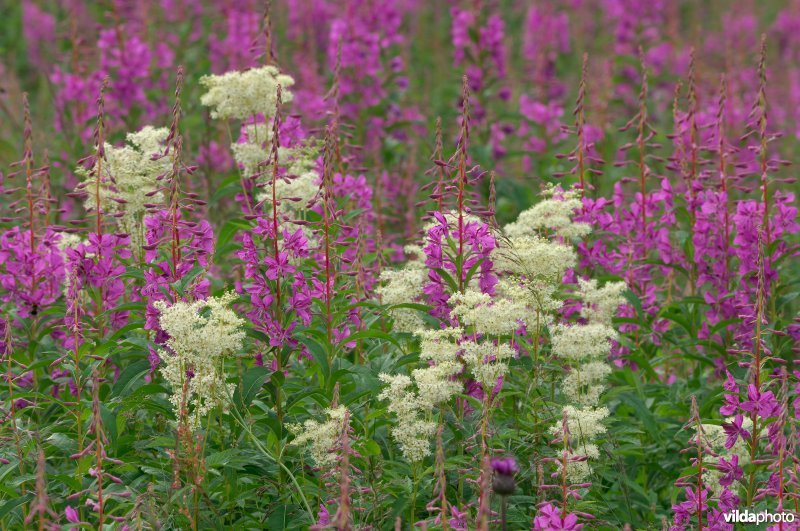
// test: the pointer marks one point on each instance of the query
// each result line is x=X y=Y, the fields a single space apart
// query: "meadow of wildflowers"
x=399 y=264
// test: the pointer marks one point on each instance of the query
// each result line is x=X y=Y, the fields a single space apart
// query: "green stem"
x=412 y=512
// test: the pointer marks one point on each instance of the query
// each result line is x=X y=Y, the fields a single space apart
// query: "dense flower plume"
x=393 y=264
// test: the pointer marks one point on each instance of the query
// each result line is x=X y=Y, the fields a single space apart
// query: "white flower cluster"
x=414 y=428
x=252 y=95
x=584 y=426
x=585 y=347
x=201 y=335
x=321 y=437
x=487 y=361
x=248 y=94
x=127 y=174
x=402 y=286
x=301 y=183
x=487 y=315
x=435 y=384
x=539 y=296
x=551 y=216
x=535 y=257
x=585 y=383
x=536 y=253
x=405 y=285
x=534 y=261
x=578 y=343
x=530 y=260
x=581 y=442
x=600 y=305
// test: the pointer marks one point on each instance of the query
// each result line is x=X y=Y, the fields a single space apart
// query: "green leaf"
x=229 y=230
x=377 y=334
x=129 y=377
x=231 y=457
x=252 y=382
x=320 y=356
x=10 y=505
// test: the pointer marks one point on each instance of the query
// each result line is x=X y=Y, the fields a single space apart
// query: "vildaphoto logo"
x=761 y=517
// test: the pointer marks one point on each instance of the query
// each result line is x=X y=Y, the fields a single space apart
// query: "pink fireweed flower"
x=477 y=243
x=97 y=265
x=762 y=404
x=730 y=469
x=734 y=430
x=694 y=504
x=31 y=278
x=550 y=518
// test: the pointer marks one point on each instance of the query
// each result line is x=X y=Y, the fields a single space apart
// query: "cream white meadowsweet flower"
x=247 y=94
x=321 y=437
x=601 y=304
x=487 y=315
x=537 y=295
x=439 y=345
x=402 y=286
x=552 y=215
x=413 y=399
x=201 y=335
x=533 y=256
x=578 y=343
x=127 y=175
x=586 y=382
x=299 y=182
x=487 y=361
x=413 y=429
x=584 y=425
x=580 y=471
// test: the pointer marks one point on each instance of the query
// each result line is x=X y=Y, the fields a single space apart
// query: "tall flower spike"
x=580 y=122
x=28 y=163
x=174 y=244
x=99 y=155
x=694 y=141
x=584 y=154
x=40 y=507
x=462 y=151
x=723 y=149
x=439 y=501
x=696 y=492
x=36 y=201
x=644 y=136
x=342 y=516
x=759 y=112
x=31 y=267
x=329 y=218
x=174 y=144
x=435 y=189
x=269 y=47
x=551 y=516
x=105 y=485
